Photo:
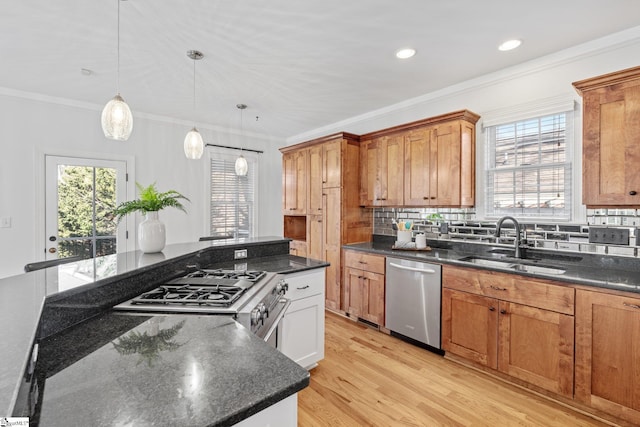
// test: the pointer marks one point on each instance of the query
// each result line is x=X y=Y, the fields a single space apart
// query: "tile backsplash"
x=462 y=225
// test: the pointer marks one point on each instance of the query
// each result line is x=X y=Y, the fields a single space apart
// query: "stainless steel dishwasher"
x=413 y=300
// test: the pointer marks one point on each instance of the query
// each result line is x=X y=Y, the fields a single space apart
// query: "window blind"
x=529 y=168
x=232 y=198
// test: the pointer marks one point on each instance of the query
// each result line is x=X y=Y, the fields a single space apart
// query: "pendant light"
x=193 y=144
x=241 y=163
x=117 y=121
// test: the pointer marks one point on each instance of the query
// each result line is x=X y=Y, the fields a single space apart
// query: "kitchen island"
x=67 y=312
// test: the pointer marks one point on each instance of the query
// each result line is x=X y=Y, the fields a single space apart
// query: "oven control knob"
x=256 y=316
x=282 y=287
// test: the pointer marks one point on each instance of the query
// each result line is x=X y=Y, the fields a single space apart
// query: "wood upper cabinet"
x=382 y=171
x=294 y=181
x=332 y=163
x=520 y=326
x=608 y=353
x=611 y=139
x=437 y=167
x=364 y=281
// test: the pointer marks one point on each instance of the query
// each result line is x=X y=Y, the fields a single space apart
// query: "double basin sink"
x=528 y=266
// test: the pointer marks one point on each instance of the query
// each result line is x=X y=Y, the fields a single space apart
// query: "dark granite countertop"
x=602 y=271
x=44 y=303
x=122 y=369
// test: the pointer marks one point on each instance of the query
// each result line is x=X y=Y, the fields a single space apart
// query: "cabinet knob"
x=492 y=309
x=503 y=311
x=632 y=193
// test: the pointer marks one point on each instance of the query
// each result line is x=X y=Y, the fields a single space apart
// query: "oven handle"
x=274 y=326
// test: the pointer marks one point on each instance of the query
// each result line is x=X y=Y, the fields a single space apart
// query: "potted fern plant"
x=151 y=231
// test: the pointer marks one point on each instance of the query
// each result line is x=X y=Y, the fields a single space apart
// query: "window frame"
x=230 y=155
x=571 y=140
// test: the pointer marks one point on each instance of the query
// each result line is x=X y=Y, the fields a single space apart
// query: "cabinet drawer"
x=510 y=287
x=305 y=284
x=364 y=261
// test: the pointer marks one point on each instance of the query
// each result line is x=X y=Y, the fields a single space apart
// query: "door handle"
x=419 y=270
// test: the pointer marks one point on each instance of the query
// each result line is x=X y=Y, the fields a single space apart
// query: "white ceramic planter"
x=151 y=234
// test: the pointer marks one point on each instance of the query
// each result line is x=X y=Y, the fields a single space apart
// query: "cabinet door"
x=356 y=294
x=331 y=225
x=315 y=246
x=315 y=180
x=444 y=169
x=294 y=182
x=298 y=247
x=536 y=346
x=417 y=164
x=382 y=182
x=610 y=149
x=608 y=353
x=374 y=286
x=331 y=163
x=470 y=326
x=303 y=331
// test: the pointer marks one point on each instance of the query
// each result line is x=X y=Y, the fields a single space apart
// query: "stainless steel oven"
x=256 y=299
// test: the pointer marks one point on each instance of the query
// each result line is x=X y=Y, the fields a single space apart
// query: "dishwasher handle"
x=419 y=270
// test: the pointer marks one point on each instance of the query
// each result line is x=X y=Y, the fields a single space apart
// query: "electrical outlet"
x=614 y=236
x=240 y=253
x=5 y=222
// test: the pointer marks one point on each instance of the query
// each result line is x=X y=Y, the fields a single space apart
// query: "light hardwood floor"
x=369 y=378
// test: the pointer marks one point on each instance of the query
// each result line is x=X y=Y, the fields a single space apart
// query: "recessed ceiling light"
x=509 y=45
x=405 y=53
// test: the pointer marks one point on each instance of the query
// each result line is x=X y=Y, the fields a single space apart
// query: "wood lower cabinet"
x=522 y=327
x=298 y=248
x=608 y=353
x=610 y=149
x=364 y=279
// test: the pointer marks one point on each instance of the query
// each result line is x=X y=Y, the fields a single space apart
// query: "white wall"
x=32 y=127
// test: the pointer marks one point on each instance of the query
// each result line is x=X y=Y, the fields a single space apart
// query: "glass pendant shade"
x=117 y=120
x=241 y=166
x=193 y=145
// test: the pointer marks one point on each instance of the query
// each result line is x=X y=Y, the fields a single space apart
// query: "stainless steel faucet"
x=517 y=243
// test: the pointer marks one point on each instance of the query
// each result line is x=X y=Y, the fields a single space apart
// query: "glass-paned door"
x=81 y=195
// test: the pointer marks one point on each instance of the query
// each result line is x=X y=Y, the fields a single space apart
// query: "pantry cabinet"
x=610 y=141
x=430 y=162
x=364 y=278
x=519 y=326
x=334 y=216
x=608 y=353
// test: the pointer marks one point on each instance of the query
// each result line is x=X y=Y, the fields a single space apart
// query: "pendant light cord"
x=241 y=130
x=118 y=55
x=194 y=92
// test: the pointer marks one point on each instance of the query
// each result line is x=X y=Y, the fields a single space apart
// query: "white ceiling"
x=299 y=65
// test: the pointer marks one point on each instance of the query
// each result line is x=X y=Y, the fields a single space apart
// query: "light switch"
x=5 y=222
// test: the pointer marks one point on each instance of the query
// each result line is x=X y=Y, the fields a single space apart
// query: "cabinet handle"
x=632 y=193
x=425 y=198
x=432 y=197
x=503 y=311
x=302 y=287
x=492 y=309
x=496 y=288
x=293 y=209
x=626 y=304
